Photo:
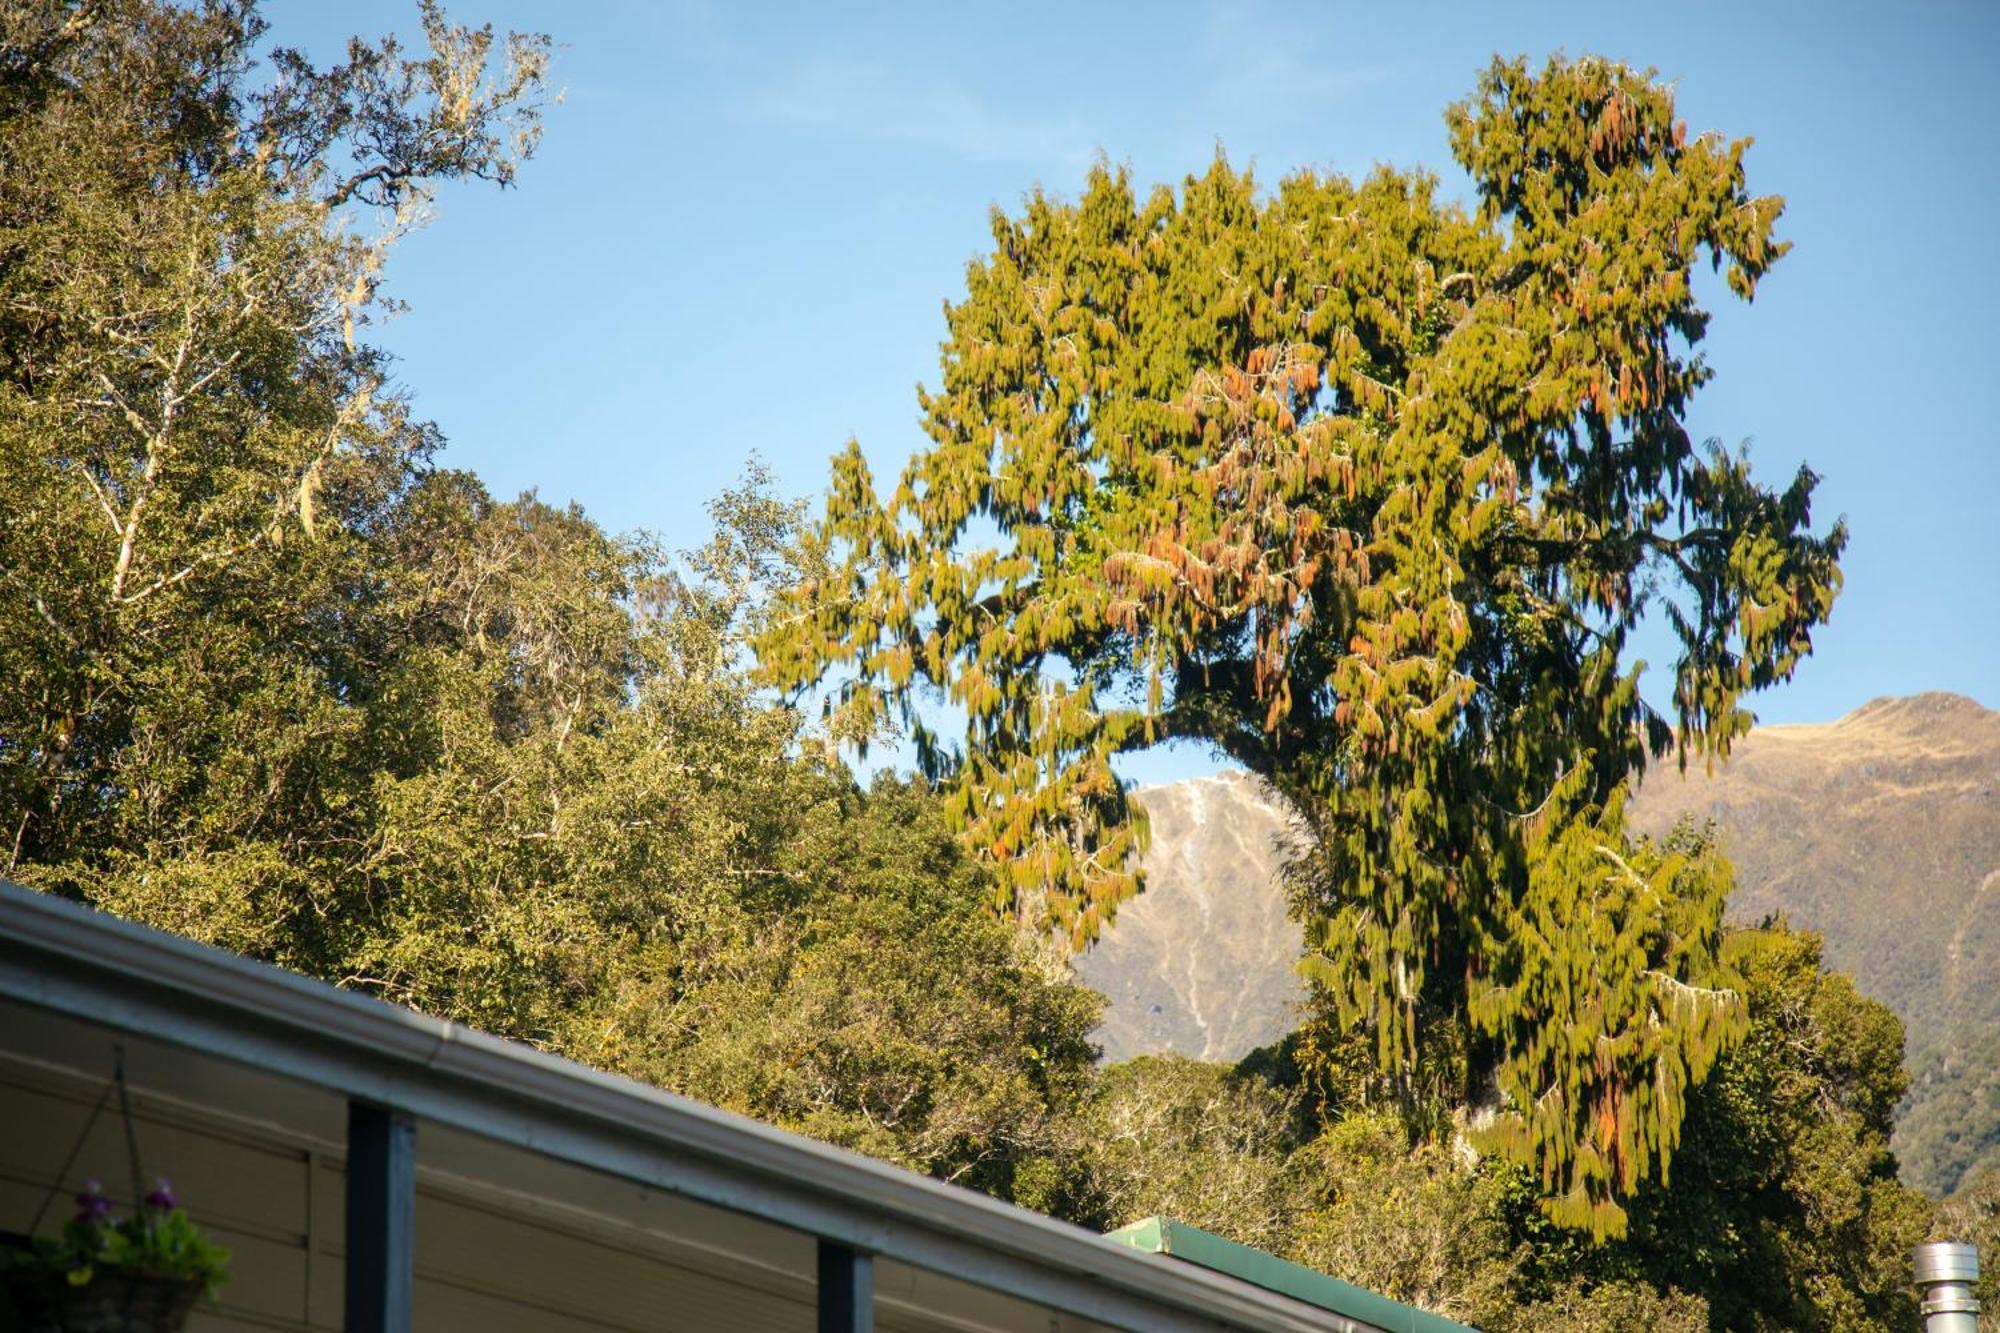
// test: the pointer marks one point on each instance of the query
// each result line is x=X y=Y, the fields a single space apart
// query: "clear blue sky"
x=743 y=221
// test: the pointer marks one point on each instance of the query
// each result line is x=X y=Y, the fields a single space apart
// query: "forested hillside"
x=1364 y=486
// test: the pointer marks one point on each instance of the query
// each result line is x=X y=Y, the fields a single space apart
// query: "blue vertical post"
x=381 y=1218
x=846 y=1289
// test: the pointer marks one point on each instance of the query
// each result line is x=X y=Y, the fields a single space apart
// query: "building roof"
x=1161 y=1235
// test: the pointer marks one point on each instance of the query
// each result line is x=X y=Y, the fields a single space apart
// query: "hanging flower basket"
x=108 y=1303
x=141 y=1273
x=137 y=1274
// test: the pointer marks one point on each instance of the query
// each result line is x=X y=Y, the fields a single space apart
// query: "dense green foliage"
x=1369 y=492
x=276 y=682
x=1172 y=1137
x=201 y=463
x=879 y=1006
x=1782 y=1212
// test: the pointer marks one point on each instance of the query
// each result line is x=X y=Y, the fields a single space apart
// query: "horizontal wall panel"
x=217 y=1174
x=546 y=1271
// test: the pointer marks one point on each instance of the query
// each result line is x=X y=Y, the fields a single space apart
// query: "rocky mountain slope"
x=1880 y=830
x=1201 y=963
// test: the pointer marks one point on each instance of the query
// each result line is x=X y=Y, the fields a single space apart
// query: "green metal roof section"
x=1161 y=1235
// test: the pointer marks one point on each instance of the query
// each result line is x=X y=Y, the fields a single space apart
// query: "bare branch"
x=103 y=500
x=199 y=563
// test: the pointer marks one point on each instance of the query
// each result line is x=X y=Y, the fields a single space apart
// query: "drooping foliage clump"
x=1369 y=491
x=1783 y=1210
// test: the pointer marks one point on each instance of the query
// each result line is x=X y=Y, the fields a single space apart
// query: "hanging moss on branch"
x=1604 y=987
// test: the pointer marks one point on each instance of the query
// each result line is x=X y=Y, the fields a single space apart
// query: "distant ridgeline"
x=1881 y=831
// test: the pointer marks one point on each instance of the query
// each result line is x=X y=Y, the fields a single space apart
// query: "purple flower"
x=162 y=1196
x=92 y=1208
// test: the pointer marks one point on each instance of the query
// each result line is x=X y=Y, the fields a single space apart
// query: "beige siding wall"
x=486 y=1262
x=507 y=1242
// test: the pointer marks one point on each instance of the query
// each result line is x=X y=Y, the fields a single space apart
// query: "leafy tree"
x=1783 y=1210
x=864 y=998
x=1420 y=1223
x=1369 y=492
x=1241 y=1152
x=192 y=437
x=1198 y=1142
x=1610 y=1307
x=1368 y=489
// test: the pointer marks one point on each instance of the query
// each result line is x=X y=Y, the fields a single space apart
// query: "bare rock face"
x=1881 y=831
x=1201 y=963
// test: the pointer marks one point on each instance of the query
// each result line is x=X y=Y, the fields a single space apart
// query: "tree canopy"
x=188 y=260
x=276 y=681
x=1370 y=491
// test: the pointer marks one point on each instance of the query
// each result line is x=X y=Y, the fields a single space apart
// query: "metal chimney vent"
x=1946 y=1271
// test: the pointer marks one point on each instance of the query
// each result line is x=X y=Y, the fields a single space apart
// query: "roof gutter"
x=88 y=965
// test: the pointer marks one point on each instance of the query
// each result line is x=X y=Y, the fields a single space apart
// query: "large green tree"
x=193 y=435
x=1370 y=491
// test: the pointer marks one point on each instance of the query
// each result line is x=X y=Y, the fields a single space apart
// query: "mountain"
x=1880 y=830
x=1201 y=962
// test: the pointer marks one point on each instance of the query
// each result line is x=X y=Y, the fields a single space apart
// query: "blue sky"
x=743 y=221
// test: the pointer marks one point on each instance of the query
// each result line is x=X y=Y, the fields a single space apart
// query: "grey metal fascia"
x=88 y=965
